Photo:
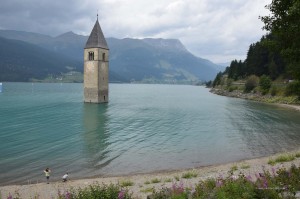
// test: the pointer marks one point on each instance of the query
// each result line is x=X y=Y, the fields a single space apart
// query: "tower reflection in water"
x=96 y=135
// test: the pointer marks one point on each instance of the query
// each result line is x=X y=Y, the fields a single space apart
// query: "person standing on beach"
x=47 y=172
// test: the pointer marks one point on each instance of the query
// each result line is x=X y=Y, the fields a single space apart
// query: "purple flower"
x=273 y=171
x=219 y=183
x=249 y=178
x=178 y=188
x=121 y=194
x=265 y=185
x=9 y=196
x=68 y=195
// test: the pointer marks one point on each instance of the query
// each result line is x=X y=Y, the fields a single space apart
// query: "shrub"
x=293 y=88
x=126 y=183
x=282 y=158
x=229 y=82
x=190 y=174
x=97 y=191
x=265 y=84
x=274 y=90
x=155 y=180
x=234 y=168
x=251 y=83
x=245 y=166
x=275 y=184
x=232 y=88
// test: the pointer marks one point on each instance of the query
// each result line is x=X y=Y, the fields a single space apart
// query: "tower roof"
x=96 y=38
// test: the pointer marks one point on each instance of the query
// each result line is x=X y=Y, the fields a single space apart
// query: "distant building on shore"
x=96 y=60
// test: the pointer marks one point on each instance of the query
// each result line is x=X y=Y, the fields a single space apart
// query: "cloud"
x=215 y=29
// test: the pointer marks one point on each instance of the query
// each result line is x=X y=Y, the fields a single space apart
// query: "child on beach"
x=47 y=174
x=65 y=177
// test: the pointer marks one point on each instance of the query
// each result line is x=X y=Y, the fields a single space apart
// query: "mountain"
x=21 y=61
x=142 y=60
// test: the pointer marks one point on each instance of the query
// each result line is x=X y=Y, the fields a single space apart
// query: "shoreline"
x=253 y=97
x=142 y=182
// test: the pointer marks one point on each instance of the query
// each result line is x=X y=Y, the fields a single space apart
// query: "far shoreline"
x=252 y=97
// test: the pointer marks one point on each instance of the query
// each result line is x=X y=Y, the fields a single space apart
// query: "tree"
x=251 y=83
x=265 y=84
x=218 y=79
x=284 y=25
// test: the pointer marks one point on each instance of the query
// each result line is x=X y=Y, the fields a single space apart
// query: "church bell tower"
x=96 y=55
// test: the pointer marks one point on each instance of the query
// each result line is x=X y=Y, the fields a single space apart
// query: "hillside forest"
x=272 y=65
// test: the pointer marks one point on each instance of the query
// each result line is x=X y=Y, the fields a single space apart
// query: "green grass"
x=190 y=174
x=283 y=184
x=234 y=168
x=168 y=180
x=282 y=158
x=147 y=190
x=176 y=178
x=155 y=180
x=245 y=166
x=126 y=183
x=297 y=155
x=147 y=182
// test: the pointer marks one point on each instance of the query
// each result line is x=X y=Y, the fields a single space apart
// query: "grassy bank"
x=259 y=89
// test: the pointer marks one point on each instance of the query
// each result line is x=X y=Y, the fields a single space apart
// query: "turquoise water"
x=143 y=128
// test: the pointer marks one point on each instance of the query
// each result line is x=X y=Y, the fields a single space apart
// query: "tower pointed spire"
x=96 y=39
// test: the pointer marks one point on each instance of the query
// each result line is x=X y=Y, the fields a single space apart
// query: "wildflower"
x=265 y=185
x=273 y=171
x=249 y=178
x=68 y=195
x=121 y=194
x=9 y=196
x=178 y=189
x=219 y=183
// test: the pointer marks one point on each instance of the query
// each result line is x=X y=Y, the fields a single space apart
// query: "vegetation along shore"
x=276 y=176
x=271 y=70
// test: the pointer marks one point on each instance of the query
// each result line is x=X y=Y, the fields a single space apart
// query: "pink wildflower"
x=121 y=194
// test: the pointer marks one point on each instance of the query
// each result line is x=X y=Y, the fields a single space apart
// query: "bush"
x=293 y=88
x=274 y=91
x=232 y=88
x=265 y=84
x=276 y=183
x=97 y=191
x=251 y=83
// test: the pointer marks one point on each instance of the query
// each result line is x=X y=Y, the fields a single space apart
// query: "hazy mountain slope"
x=20 y=61
x=161 y=60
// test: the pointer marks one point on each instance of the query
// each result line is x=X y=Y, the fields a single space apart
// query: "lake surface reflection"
x=143 y=128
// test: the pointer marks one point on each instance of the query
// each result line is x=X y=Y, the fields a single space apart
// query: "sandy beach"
x=142 y=182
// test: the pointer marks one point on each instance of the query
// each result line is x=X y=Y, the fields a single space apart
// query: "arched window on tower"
x=91 y=55
x=103 y=56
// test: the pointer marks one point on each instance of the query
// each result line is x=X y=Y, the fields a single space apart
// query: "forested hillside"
x=276 y=57
x=21 y=61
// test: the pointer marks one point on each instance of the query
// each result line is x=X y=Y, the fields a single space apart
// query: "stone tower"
x=96 y=54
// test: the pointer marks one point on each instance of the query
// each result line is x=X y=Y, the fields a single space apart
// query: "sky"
x=218 y=30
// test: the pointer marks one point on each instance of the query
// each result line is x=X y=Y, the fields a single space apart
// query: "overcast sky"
x=218 y=30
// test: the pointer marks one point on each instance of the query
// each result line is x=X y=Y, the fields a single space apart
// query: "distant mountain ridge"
x=141 y=60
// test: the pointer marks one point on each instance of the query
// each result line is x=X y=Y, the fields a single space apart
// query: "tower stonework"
x=96 y=60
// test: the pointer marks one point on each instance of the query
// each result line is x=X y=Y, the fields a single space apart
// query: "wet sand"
x=141 y=181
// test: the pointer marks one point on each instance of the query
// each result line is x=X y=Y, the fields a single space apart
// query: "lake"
x=143 y=128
